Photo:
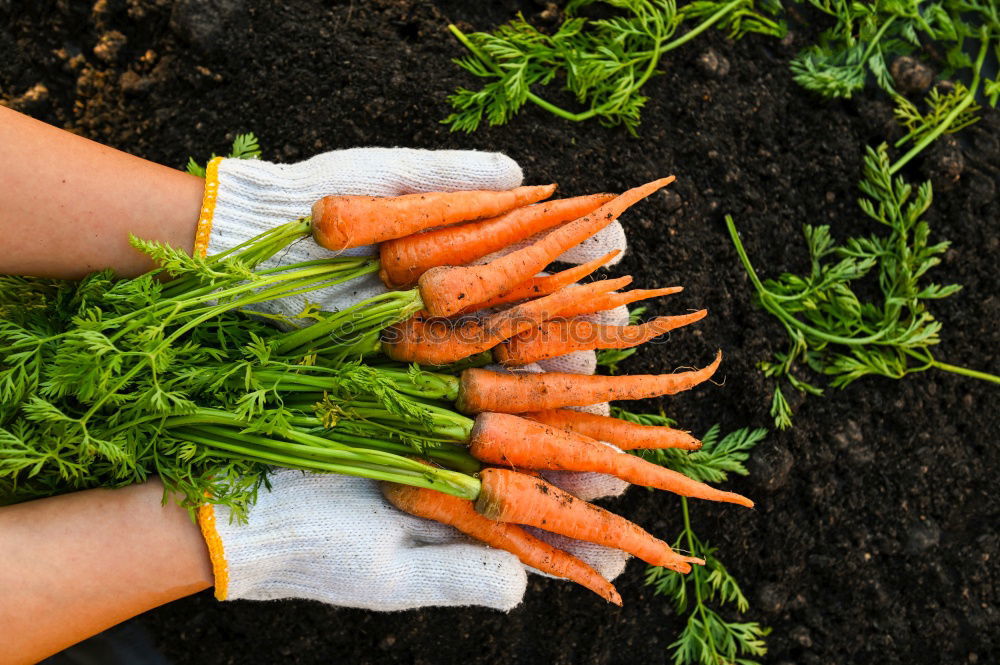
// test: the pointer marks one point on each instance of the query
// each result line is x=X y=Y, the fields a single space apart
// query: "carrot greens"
x=832 y=328
x=708 y=638
x=107 y=381
x=604 y=63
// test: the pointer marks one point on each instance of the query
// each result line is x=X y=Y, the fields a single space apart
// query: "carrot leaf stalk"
x=708 y=637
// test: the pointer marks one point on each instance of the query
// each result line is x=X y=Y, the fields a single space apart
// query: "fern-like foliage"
x=603 y=63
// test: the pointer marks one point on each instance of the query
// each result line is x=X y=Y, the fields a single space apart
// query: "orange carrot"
x=483 y=390
x=533 y=552
x=447 y=290
x=340 y=222
x=560 y=336
x=404 y=260
x=541 y=286
x=624 y=434
x=612 y=300
x=508 y=496
x=436 y=341
x=505 y=439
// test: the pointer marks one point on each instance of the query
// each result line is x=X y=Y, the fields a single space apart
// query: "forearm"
x=74 y=565
x=68 y=204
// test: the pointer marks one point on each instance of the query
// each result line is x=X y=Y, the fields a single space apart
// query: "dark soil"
x=877 y=531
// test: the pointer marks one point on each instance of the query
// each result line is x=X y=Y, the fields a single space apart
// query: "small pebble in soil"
x=201 y=22
x=944 y=163
x=771 y=467
x=800 y=634
x=911 y=76
x=133 y=85
x=712 y=63
x=109 y=46
x=550 y=14
x=772 y=598
x=671 y=200
x=33 y=99
x=922 y=536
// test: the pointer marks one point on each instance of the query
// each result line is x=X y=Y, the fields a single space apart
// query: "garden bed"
x=876 y=537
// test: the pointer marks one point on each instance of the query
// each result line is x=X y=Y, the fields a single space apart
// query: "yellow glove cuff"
x=204 y=230
x=216 y=552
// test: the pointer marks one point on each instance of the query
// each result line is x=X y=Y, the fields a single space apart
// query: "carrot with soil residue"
x=508 y=440
x=508 y=496
x=435 y=341
x=622 y=433
x=612 y=300
x=448 y=290
x=546 y=284
x=482 y=390
x=531 y=551
x=404 y=260
x=341 y=222
x=558 y=337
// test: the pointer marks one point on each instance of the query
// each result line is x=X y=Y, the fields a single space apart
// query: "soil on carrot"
x=876 y=533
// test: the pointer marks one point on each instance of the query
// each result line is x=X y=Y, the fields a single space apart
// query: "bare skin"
x=68 y=204
x=74 y=565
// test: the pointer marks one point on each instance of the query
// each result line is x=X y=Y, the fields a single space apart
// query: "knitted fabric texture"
x=335 y=539
x=253 y=196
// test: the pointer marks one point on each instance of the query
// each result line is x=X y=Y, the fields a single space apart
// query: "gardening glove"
x=244 y=198
x=336 y=539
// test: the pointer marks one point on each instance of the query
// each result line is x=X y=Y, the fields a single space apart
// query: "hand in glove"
x=247 y=197
x=335 y=538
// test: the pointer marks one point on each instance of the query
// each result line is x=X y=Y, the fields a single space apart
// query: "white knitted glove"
x=247 y=197
x=335 y=539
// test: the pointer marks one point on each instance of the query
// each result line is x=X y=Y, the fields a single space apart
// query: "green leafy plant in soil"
x=835 y=331
x=866 y=38
x=708 y=638
x=603 y=63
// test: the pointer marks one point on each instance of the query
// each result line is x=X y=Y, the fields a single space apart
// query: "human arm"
x=68 y=204
x=76 y=564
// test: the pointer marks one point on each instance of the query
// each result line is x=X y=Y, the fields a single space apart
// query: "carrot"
x=340 y=222
x=404 y=260
x=508 y=496
x=533 y=552
x=504 y=439
x=612 y=300
x=482 y=390
x=557 y=337
x=541 y=286
x=622 y=433
x=435 y=341
x=447 y=290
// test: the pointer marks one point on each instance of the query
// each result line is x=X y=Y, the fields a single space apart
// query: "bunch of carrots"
x=502 y=311
x=346 y=394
